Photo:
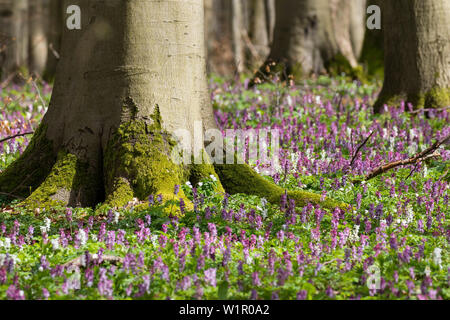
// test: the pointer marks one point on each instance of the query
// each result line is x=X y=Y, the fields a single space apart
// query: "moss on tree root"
x=433 y=99
x=27 y=173
x=69 y=183
x=340 y=64
x=138 y=163
x=240 y=178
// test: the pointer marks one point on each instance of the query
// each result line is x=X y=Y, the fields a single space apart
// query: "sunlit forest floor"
x=241 y=247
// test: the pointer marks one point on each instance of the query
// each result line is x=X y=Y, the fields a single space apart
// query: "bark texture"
x=37 y=52
x=13 y=38
x=372 y=55
x=313 y=36
x=55 y=28
x=133 y=75
x=417 y=53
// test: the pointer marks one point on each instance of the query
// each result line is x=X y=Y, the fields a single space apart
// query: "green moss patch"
x=240 y=178
x=27 y=173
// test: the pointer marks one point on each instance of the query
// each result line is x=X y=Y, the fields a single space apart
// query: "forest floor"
x=240 y=247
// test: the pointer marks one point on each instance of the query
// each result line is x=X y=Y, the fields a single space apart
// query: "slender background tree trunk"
x=14 y=34
x=38 y=17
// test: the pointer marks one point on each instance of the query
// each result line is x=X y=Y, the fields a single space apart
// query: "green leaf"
x=223 y=290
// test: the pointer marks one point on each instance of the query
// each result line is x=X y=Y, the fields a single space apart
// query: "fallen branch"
x=360 y=147
x=15 y=136
x=80 y=261
x=425 y=110
x=424 y=155
x=11 y=195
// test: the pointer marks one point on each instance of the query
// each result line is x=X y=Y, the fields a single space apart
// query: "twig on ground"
x=11 y=195
x=15 y=136
x=425 y=110
x=421 y=156
x=360 y=147
x=80 y=262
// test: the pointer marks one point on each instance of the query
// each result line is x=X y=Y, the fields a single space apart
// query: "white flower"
x=94 y=237
x=213 y=178
x=425 y=171
x=7 y=244
x=354 y=235
x=47 y=223
x=43 y=229
x=188 y=183
x=82 y=237
x=200 y=184
x=55 y=243
x=263 y=202
x=155 y=239
x=318 y=99
x=409 y=215
x=437 y=259
x=116 y=217
x=289 y=100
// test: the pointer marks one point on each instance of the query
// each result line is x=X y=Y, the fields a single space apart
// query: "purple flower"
x=69 y=215
x=151 y=200
x=14 y=293
x=329 y=292
x=148 y=219
x=255 y=279
x=105 y=285
x=45 y=293
x=177 y=189
x=210 y=276
x=182 y=206
x=185 y=283
x=302 y=294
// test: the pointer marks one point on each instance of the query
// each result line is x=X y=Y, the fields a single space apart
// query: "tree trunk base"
x=433 y=99
x=137 y=163
x=29 y=171
x=240 y=178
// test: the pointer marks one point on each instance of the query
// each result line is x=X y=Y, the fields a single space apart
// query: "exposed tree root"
x=28 y=172
x=136 y=163
x=69 y=182
x=240 y=178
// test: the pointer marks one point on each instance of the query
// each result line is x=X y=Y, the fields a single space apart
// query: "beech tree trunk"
x=219 y=39
x=14 y=38
x=126 y=82
x=372 y=55
x=38 y=16
x=417 y=51
x=54 y=34
x=313 y=36
x=259 y=35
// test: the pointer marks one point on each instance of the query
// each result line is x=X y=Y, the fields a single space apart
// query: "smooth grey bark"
x=237 y=25
x=54 y=34
x=38 y=16
x=357 y=25
x=258 y=31
x=219 y=42
x=416 y=53
x=309 y=35
x=372 y=54
x=14 y=35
